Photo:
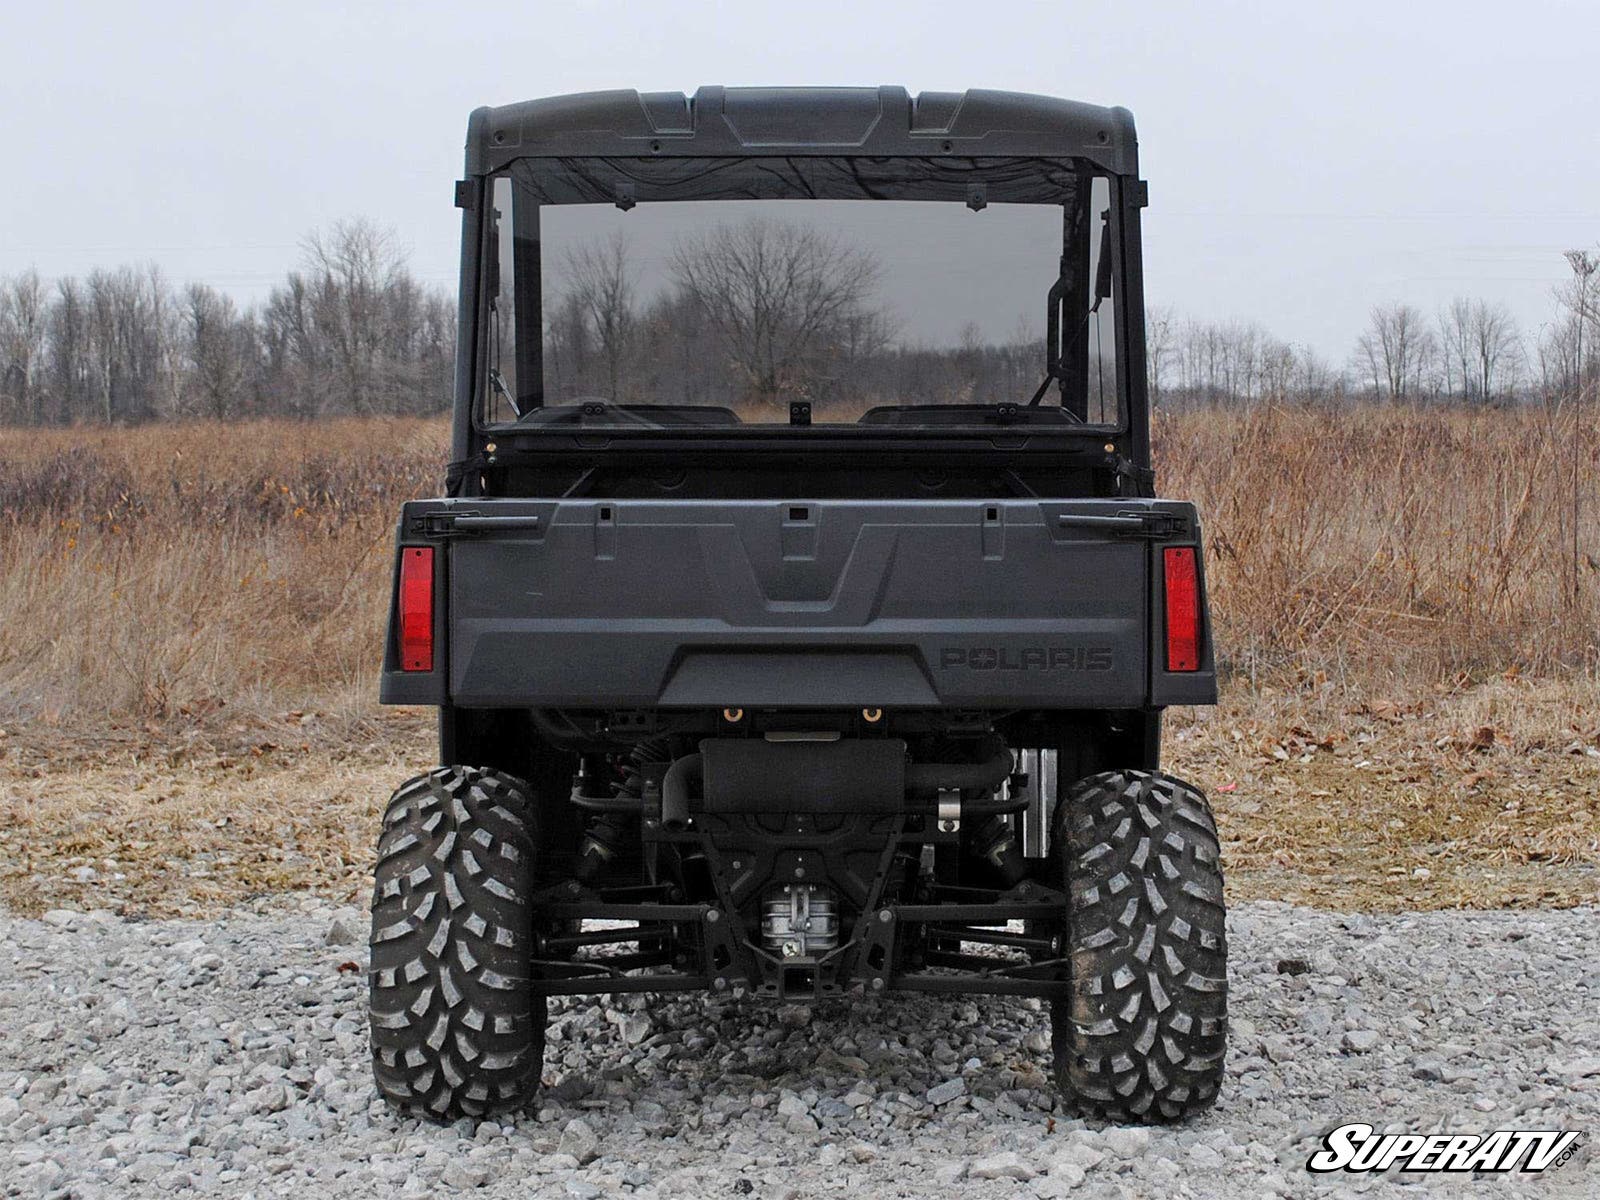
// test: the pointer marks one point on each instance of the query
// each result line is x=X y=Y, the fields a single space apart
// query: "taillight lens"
x=1183 y=608
x=416 y=608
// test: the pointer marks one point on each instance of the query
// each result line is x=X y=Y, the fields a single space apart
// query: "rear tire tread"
x=456 y=1029
x=1144 y=1035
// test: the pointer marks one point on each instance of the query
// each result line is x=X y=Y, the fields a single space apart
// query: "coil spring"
x=651 y=750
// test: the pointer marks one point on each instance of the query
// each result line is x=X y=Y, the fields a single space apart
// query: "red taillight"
x=1183 y=609
x=416 y=608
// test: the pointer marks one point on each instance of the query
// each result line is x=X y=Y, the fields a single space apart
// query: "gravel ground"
x=229 y=1056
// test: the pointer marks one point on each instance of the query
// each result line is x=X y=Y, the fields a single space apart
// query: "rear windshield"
x=658 y=294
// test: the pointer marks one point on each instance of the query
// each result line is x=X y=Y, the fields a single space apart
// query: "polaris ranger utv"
x=799 y=613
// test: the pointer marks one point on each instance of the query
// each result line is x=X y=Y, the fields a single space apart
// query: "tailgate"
x=755 y=603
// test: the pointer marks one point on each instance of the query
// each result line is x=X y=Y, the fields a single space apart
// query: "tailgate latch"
x=459 y=524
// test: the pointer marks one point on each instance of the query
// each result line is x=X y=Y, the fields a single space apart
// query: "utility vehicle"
x=799 y=612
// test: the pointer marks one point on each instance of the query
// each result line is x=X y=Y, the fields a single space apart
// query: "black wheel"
x=456 y=1029
x=1143 y=1036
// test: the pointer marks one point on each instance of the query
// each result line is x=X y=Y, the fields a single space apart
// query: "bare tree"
x=129 y=316
x=350 y=271
x=1455 y=346
x=863 y=334
x=778 y=294
x=292 y=348
x=166 y=331
x=68 y=354
x=23 y=318
x=567 y=352
x=1554 y=355
x=353 y=331
x=1496 y=347
x=1278 y=361
x=968 y=360
x=1160 y=345
x=1396 y=350
x=1315 y=380
x=1580 y=296
x=1480 y=345
x=599 y=283
x=673 y=364
x=220 y=349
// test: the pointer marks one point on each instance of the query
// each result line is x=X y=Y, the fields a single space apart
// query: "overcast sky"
x=1306 y=159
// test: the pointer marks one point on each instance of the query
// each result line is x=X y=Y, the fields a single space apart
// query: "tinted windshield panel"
x=709 y=293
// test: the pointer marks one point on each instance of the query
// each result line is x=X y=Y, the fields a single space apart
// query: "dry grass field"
x=190 y=618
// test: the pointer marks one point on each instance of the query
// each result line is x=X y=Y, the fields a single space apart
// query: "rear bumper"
x=507 y=662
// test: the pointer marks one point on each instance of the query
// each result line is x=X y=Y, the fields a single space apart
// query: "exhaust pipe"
x=685 y=775
x=986 y=775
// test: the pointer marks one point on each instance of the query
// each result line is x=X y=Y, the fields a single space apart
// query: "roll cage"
x=627 y=147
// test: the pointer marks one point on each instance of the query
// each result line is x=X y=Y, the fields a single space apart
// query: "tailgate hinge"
x=1162 y=526
x=434 y=525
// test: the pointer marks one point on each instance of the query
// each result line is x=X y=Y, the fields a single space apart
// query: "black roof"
x=791 y=121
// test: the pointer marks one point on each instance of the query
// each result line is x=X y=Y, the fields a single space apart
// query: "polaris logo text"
x=1027 y=658
x=1356 y=1147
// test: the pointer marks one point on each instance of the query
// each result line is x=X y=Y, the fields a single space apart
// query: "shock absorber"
x=637 y=765
x=602 y=842
x=607 y=833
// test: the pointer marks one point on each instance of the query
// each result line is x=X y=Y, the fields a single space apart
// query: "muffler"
x=841 y=776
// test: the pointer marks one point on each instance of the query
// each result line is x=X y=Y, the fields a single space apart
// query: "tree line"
x=1470 y=351
x=790 y=312
x=350 y=330
x=762 y=312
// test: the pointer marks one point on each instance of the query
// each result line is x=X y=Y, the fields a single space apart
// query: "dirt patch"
x=152 y=826
x=1477 y=797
